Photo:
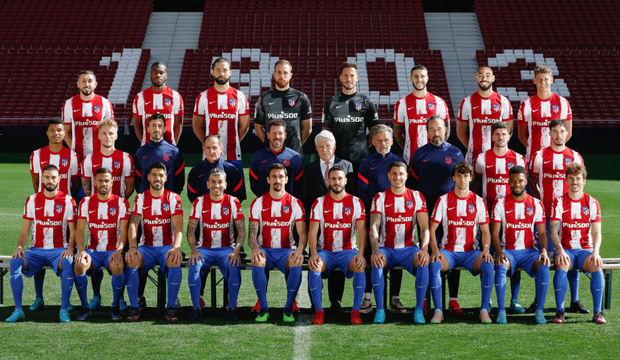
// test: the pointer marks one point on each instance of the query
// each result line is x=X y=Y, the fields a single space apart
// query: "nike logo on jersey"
x=425 y=160
x=535 y=110
x=372 y=168
x=39 y=208
x=565 y=211
x=44 y=162
x=271 y=103
x=338 y=107
x=452 y=208
x=388 y=205
x=265 y=209
x=326 y=211
x=262 y=162
x=546 y=162
x=146 y=207
x=201 y=175
x=508 y=212
x=410 y=108
x=490 y=166
x=146 y=103
x=144 y=157
x=475 y=107
x=211 y=102
x=96 y=165
x=92 y=211
x=77 y=110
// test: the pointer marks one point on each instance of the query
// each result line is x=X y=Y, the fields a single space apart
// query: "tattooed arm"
x=561 y=257
x=234 y=258
x=253 y=242
x=192 y=224
x=377 y=258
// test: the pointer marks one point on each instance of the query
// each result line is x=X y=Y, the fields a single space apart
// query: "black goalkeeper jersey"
x=348 y=116
x=290 y=105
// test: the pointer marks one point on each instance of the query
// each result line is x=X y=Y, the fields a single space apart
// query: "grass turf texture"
x=212 y=337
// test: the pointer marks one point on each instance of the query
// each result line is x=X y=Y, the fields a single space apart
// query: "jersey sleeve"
x=507 y=112
x=498 y=210
x=67 y=112
x=29 y=208
x=200 y=105
x=128 y=168
x=316 y=214
x=192 y=185
x=178 y=108
x=235 y=181
x=305 y=111
x=377 y=205
x=124 y=211
x=253 y=170
x=108 y=112
x=595 y=211
x=400 y=112
x=83 y=208
x=259 y=112
x=137 y=205
x=482 y=213
x=359 y=212
x=74 y=171
x=439 y=211
x=445 y=108
x=243 y=107
x=238 y=215
x=138 y=106
x=569 y=111
x=539 y=216
x=536 y=166
x=420 y=202
x=71 y=211
x=179 y=173
x=327 y=118
x=298 y=210
x=479 y=165
x=35 y=163
x=464 y=110
x=521 y=113
x=177 y=207
x=196 y=205
x=255 y=210
x=362 y=182
x=372 y=116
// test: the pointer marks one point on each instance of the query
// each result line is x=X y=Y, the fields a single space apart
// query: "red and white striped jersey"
x=550 y=166
x=120 y=163
x=50 y=219
x=221 y=112
x=156 y=217
x=216 y=220
x=166 y=102
x=576 y=218
x=276 y=219
x=537 y=114
x=398 y=217
x=460 y=218
x=518 y=219
x=67 y=162
x=84 y=118
x=104 y=220
x=337 y=222
x=480 y=114
x=412 y=113
x=493 y=169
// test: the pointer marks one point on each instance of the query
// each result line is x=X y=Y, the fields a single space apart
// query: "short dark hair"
x=462 y=167
x=500 y=125
x=336 y=167
x=55 y=121
x=398 y=163
x=576 y=168
x=276 y=166
x=82 y=72
x=103 y=170
x=418 y=67
x=348 y=64
x=221 y=59
x=49 y=167
x=157 y=116
x=276 y=122
x=517 y=169
x=159 y=63
x=484 y=66
x=558 y=122
x=217 y=172
x=446 y=124
x=157 y=165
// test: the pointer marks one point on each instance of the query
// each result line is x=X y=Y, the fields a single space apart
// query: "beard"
x=100 y=192
x=157 y=186
x=222 y=82
x=336 y=191
x=517 y=193
x=87 y=92
x=50 y=187
x=485 y=88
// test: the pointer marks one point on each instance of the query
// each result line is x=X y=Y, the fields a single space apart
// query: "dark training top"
x=348 y=116
x=290 y=105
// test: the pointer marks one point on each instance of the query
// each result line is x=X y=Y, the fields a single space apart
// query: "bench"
x=609 y=264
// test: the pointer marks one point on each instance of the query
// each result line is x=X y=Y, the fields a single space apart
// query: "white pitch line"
x=303 y=327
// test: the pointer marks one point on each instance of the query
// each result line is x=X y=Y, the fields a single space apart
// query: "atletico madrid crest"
x=113 y=211
x=59 y=208
x=529 y=211
x=286 y=209
x=168 y=101
x=567 y=161
x=291 y=102
x=226 y=211
x=448 y=160
x=166 y=157
x=409 y=204
x=232 y=102
x=510 y=164
x=495 y=107
x=347 y=211
x=358 y=106
x=471 y=208
x=556 y=108
x=586 y=211
x=165 y=207
x=431 y=106
x=117 y=164
x=97 y=108
x=64 y=162
x=286 y=162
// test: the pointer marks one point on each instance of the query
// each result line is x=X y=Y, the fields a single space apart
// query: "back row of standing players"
x=224 y=111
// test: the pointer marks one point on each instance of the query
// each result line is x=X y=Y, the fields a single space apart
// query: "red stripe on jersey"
x=238 y=185
x=180 y=169
x=190 y=189
x=300 y=174
x=362 y=178
x=252 y=173
x=576 y=218
x=216 y=219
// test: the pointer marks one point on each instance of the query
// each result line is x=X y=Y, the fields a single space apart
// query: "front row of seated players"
x=575 y=224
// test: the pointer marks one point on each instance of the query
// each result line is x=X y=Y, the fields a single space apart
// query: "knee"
x=66 y=264
x=16 y=265
x=260 y=262
x=116 y=269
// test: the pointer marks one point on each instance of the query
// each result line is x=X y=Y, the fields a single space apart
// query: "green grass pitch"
x=41 y=336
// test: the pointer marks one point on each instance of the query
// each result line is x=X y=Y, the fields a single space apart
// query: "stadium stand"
x=569 y=37
x=316 y=40
x=53 y=40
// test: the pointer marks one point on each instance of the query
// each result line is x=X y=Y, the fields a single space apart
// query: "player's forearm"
x=191 y=235
x=137 y=127
x=361 y=237
x=253 y=236
x=303 y=241
x=433 y=237
x=22 y=240
x=35 y=182
x=129 y=187
x=399 y=131
x=87 y=186
x=259 y=130
x=68 y=139
x=132 y=232
x=375 y=223
x=306 y=129
x=596 y=238
x=72 y=232
x=197 y=125
x=178 y=128
x=522 y=129
x=244 y=126
x=555 y=235
x=240 y=226
x=79 y=234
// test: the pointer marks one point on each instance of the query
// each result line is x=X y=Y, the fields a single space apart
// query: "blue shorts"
x=100 y=259
x=276 y=258
x=215 y=256
x=523 y=259
x=578 y=257
x=37 y=258
x=154 y=255
x=464 y=259
x=400 y=257
x=338 y=259
x=550 y=247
